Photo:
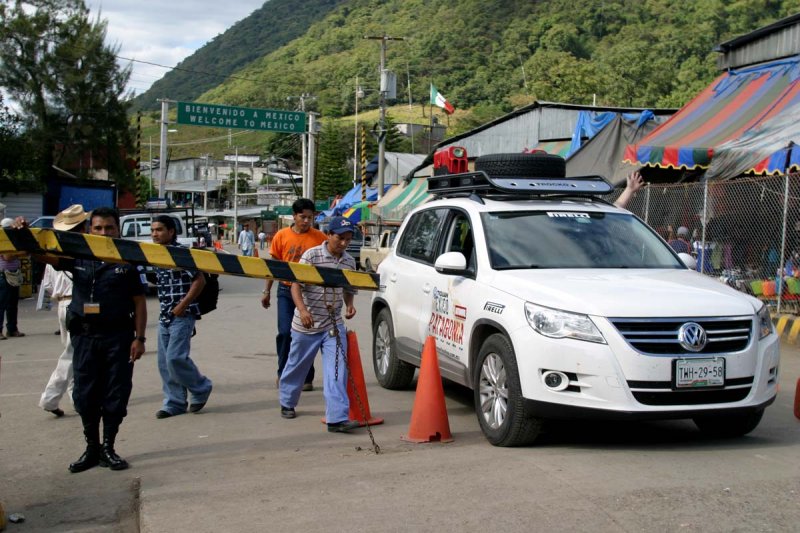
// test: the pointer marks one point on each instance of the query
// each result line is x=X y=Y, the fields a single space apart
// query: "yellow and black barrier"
x=82 y=246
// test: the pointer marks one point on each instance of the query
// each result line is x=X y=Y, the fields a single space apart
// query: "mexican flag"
x=439 y=100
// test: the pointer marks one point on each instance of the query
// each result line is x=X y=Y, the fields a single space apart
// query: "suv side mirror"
x=451 y=263
x=688 y=260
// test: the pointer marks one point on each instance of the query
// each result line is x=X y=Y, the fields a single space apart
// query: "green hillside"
x=490 y=56
x=268 y=28
x=486 y=56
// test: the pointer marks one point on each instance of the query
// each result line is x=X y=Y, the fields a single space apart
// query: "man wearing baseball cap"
x=318 y=324
x=59 y=285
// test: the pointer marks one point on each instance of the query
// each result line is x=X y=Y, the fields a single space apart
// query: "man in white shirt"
x=59 y=285
x=247 y=241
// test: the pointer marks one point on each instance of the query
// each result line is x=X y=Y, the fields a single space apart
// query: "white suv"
x=562 y=306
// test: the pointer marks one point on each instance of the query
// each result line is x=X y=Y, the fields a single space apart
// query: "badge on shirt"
x=91 y=309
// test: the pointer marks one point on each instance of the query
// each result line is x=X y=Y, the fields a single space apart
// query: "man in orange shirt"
x=288 y=245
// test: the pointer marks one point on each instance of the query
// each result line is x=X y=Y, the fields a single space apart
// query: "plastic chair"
x=757 y=287
x=769 y=288
x=793 y=284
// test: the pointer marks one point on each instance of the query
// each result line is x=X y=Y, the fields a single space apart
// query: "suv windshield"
x=573 y=239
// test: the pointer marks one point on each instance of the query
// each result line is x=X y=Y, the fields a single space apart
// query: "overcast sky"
x=165 y=32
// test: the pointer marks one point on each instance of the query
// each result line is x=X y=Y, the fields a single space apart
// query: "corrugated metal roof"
x=526 y=127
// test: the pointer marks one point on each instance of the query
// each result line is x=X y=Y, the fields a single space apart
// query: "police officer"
x=106 y=320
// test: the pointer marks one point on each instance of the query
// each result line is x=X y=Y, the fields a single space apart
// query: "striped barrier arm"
x=82 y=246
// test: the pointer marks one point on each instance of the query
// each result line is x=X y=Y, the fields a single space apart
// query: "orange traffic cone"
x=357 y=372
x=429 y=416
x=797 y=400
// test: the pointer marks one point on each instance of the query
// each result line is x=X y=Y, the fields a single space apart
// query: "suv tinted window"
x=564 y=239
x=419 y=240
x=460 y=238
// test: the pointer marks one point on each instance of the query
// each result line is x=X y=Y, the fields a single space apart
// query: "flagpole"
x=430 y=136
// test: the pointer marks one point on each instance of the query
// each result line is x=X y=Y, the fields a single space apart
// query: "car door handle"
x=426 y=288
x=393 y=278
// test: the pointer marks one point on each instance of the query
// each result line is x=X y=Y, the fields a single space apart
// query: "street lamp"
x=359 y=94
x=162 y=163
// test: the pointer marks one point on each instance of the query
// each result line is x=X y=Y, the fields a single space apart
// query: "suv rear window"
x=573 y=239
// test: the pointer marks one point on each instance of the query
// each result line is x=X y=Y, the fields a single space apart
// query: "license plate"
x=699 y=373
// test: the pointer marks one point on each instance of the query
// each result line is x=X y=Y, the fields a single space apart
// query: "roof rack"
x=481 y=184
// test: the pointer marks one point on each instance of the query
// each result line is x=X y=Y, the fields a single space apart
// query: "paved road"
x=237 y=466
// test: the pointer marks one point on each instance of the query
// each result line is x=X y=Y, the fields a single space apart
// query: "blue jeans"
x=178 y=371
x=283 y=340
x=304 y=348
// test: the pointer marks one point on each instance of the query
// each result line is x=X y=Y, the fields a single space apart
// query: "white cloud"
x=165 y=32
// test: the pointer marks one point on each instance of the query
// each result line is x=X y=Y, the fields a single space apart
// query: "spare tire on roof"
x=533 y=165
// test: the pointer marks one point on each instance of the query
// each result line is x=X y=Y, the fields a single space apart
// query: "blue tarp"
x=352 y=197
x=590 y=123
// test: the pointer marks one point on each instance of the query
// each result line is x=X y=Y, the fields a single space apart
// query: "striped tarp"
x=81 y=246
x=735 y=103
x=413 y=194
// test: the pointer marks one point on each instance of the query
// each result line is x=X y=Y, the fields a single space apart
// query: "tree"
x=15 y=166
x=333 y=175
x=55 y=64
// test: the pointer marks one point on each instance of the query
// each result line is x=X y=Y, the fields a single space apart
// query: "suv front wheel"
x=728 y=426
x=390 y=371
x=498 y=397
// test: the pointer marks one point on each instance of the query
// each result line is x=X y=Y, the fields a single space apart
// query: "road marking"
x=11 y=395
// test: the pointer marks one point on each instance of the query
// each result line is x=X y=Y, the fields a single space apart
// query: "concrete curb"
x=787 y=327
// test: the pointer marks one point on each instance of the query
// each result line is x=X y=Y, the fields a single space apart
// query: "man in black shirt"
x=107 y=320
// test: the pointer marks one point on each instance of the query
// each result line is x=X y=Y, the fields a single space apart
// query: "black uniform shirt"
x=112 y=285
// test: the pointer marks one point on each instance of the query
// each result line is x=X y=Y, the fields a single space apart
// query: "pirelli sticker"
x=81 y=246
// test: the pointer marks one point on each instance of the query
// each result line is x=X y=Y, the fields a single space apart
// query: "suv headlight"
x=559 y=324
x=764 y=322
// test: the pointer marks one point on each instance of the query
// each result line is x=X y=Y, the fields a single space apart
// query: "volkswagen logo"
x=692 y=337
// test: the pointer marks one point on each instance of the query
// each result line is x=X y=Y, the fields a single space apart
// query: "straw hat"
x=70 y=217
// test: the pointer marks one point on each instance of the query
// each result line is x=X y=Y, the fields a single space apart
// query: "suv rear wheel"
x=498 y=396
x=391 y=372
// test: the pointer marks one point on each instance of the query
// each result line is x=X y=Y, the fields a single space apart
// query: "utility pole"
x=236 y=196
x=312 y=151
x=382 y=124
x=205 y=186
x=303 y=97
x=162 y=154
x=150 y=193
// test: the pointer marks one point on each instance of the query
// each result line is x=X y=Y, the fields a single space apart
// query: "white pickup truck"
x=136 y=227
x=376 y=250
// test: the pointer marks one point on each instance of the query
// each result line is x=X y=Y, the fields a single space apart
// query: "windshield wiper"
x=516 y=267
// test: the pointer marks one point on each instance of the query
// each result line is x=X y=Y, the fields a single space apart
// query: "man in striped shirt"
x=318 y=324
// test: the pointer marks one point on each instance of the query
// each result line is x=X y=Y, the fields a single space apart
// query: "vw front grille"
x=659 y=336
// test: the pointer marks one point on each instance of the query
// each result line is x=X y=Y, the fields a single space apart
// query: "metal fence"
x=745 y=232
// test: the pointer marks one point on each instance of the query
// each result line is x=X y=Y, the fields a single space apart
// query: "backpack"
x=207 y=300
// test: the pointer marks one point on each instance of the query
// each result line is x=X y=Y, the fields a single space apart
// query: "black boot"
x=91 y=457
x=108 y=457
